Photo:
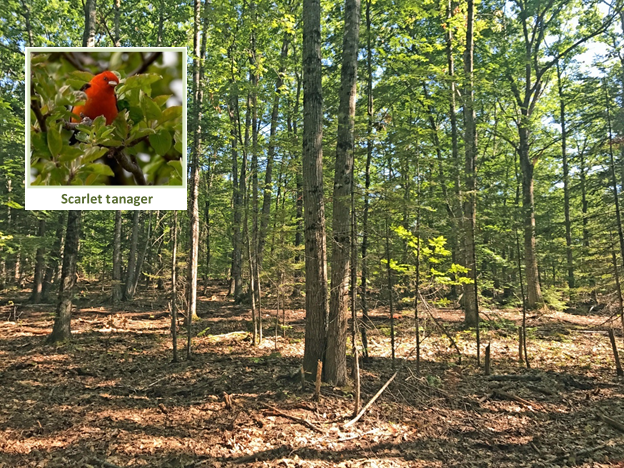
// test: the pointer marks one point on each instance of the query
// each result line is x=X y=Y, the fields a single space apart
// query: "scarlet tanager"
x=101 y=99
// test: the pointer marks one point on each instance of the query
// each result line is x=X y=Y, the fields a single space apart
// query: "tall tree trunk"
x=336 y=354
x=144 y=249
x=62 y=322
x=35 y=298
x=174 y=286
x=255 y=265
x=88 y=37
x=313 y=200
x=470 y=202
x=456 y=214
x=566 y=181
x=117 y=16
x=534 y=292
x=584 y=202
x=268 y=174
x=117 y=282
x=198 y=51
x=55 y=255
x=236 y=284
x=128 y=294
x=367 y=181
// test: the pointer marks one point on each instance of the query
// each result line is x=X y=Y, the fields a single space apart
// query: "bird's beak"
x=113 y=83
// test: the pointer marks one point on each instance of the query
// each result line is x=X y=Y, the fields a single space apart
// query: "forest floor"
x=113 y=398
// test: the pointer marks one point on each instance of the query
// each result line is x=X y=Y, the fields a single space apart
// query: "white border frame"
x=165 y=196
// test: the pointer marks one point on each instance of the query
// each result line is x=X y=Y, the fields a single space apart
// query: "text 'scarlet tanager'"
x=101 y=99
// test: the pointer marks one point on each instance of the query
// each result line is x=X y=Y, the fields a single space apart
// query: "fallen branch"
x=371 y=401
x=582 y=453
x=306 y=423
x=104 y=463
x=515 y=398
x=514 y=378
x=611 y=422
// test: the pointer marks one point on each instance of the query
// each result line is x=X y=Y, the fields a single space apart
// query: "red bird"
x=101 y=99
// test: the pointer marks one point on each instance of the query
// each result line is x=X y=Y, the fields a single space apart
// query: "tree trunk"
x=236 y=280
x=117 y=283
x=141 y=256
x=534 y=292
x=88 y=37
x=255 y=265
x=336 y=354
x=314 y=205
x=62 y=321
x=367 y=181
x=471 y=313
x=268 y=174
x=54 y=259
x=128 y=294
x=566 y=182
x=35 y=298
x=198 y=51
x=174 y=287
x=117 y=16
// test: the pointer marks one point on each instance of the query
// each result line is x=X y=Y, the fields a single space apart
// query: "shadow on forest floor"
x=114 y=394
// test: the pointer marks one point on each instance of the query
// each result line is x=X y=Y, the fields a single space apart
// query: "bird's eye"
x=106 y=78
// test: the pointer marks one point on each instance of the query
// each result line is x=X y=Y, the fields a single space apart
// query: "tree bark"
x=566 y=181
x=313 y=200
x=62 y=322
x=268 y=174
x=54 y=260
x=534 y=292
x=117 y=283
x=471 y=313
x=198 y=50
x=117 y=16
x=174 y=286
x=88 y=37
x=336 y=354
x=35 y=297
x=128 y=293
x=367 y=180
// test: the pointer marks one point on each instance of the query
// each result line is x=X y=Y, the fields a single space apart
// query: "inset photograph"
x=107 y=118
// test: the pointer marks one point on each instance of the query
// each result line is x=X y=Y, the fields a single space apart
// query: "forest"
x=403 y=245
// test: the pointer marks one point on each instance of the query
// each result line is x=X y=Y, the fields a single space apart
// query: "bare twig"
x=146 y=63
x=371 y=401
x=611 y=422
x=104 y=463
x=34 y=105
x=74 y=61
x=306 y=423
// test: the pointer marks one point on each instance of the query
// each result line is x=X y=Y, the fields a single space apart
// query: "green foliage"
x=433 y=253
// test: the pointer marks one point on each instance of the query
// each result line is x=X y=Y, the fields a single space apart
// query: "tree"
x=313 y=200
x=336 y=354
x=62 y=321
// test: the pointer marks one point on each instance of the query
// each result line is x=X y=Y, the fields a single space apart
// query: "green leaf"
x=93 y=154
x=161 y=100
x=161 y=141
x=83 y=76
x=170 y=113
x=100 y=169
x=70 y=153
x=177 y=166
x=55 y=142
x=150 y=110
x=14 y=205
x=39 y=145
x=141 y=81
